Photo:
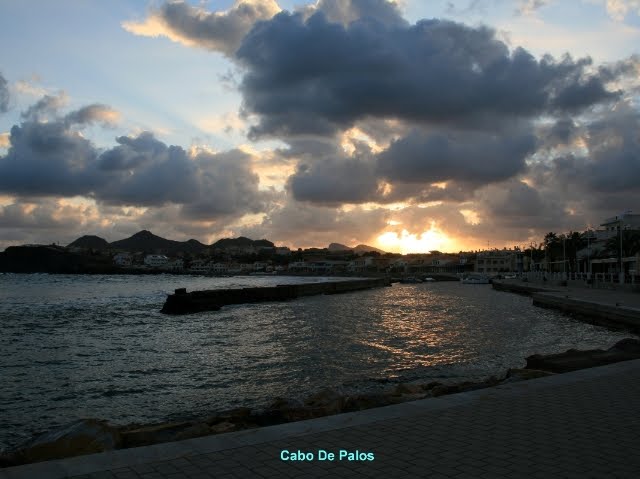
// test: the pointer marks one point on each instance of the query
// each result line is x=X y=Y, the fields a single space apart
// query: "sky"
x=411 y=126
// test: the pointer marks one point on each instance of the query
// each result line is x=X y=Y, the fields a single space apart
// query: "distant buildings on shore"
x=614 y=249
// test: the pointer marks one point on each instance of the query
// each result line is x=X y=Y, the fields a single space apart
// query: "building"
x=219 y=268
x=199 y=266
x=501 y=261
x=123 y=260
x=175 y=265
x=156 y=260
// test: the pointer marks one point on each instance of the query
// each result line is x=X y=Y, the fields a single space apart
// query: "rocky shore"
x=87 y=436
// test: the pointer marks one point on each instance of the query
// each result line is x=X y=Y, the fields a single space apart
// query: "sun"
x=404 y=242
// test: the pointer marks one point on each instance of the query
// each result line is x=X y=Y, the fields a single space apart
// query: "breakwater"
x=603 y=307
x=182 y=302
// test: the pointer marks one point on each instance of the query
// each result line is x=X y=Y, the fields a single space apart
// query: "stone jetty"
x=182 y=302
x=618 y=309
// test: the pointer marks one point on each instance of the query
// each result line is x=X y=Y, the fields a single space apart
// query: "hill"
x=360 y=249
x=241 y=242
x=89 y=242
x=148 y=242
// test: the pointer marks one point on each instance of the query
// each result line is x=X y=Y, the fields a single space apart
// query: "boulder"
x=221 y=428
x=628 y=345
x=574 y=359
x=85 y=436
x=515 y=375
x=143 y=436
x=196 y=430
x=408 y=388
x=326 y=402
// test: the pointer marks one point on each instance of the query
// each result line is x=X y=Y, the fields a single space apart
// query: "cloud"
x=52 y=159
x=348 y=11
x=317 y=77
x=466 y=156
x=96 y=113
x=618 y=9
x=529 y=7
x=4 y=94
x=45 y=107
x=193 y=26
x=335 y=181
x=305 y=225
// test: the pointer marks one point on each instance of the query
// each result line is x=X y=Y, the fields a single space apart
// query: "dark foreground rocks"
x=574 y=359
x=90 y=435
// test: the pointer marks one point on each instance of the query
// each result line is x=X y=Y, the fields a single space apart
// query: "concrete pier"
x=182 y=302
x=604 y=307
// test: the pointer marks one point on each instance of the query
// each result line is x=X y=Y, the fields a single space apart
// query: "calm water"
x=97 y=346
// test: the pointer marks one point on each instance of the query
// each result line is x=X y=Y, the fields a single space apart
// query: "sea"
x=97 y=346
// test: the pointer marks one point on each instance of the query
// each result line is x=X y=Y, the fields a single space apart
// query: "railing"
x=589 y=278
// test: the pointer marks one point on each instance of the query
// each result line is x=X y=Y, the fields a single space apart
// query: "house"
x=156 y=260
x=199 y=266
x=220 y=268
x=175 y=265
x=499 y=261
x=123 y=260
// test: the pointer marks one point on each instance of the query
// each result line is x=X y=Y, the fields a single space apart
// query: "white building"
x=199 y=266
x=156 y=260
x=175 y=265
x=219 y=268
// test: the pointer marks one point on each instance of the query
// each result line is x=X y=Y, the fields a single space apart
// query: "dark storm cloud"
x=473 y=157
x=562 y=131
x=316 y=76
x=4 y=94
x=335 y=180
x=47 y=159
x=51 y=159
x=612 y=164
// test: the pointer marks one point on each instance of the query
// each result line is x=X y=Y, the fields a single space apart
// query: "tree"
x=630 y=243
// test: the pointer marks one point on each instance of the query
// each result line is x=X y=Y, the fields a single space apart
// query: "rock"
x=360 y=402
x=326 y=402
x=154 y=434
x=408 y=388
x=574 y=359
x=627 y=345
x=515 y=375
x=222 y=428
x=196 y=430
x=85 y=436
x=443 y=389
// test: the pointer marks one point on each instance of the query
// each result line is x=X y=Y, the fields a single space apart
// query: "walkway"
x=581 y=424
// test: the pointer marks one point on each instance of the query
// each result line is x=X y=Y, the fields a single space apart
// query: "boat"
x=475 y=278
x=410 y=280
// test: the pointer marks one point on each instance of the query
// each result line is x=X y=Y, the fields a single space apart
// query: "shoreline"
x=87 y=436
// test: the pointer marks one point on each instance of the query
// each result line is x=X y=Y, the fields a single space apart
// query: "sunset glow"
x=404 y=242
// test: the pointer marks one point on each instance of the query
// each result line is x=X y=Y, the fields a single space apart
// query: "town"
x=608 y=254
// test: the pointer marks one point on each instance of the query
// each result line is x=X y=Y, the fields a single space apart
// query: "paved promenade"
x=575 y=425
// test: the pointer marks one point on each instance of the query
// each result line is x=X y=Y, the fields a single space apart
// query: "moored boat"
x=475 y=278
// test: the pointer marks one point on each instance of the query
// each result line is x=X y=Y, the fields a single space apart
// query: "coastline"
x=87 y=436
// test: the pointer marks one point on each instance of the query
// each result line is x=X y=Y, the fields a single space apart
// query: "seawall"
x=182 y=302
x=598 y=306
